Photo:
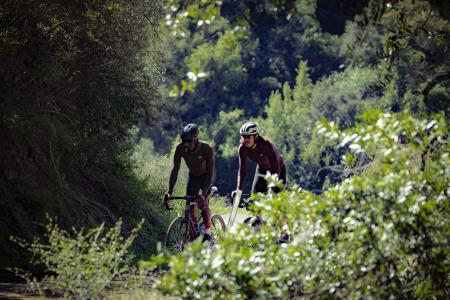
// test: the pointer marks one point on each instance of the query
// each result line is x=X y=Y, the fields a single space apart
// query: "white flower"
x=380 y=123
x=355 y=147
x=431 y=124
x=348 y=139
x=387 y=152
x=191 y=76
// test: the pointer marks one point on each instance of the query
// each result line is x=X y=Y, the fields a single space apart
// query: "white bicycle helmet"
x=249 y=128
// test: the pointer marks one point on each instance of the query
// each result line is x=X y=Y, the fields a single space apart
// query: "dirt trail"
x=241 y=215
x=14 y=291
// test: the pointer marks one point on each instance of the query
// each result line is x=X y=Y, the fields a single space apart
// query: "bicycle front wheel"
x=178 y=235
x=217 y=227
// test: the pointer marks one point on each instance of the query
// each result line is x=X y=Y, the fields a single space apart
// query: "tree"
x=290 y=119
x=76 y=77
x=243 y=50
x=411 y=40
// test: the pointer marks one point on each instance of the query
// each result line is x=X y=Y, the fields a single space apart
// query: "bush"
x=380 y=234
x=83 y=263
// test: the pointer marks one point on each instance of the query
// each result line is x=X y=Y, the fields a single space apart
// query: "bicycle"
x=183 y=230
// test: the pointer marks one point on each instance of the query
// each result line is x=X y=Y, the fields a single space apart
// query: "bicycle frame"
x=187 y=213
x=189 y=231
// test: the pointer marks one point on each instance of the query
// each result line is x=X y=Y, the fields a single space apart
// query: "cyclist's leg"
x=206 y=215
x=285 y=236
x=192 y=190
x=259 y=183
x=204 y=207
x=195 y=183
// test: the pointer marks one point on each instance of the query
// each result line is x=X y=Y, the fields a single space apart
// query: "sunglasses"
x=187 y=143
x=246 y=136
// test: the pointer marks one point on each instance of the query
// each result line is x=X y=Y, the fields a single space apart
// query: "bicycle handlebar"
x=183 y=198
x=243 y=195
x=166 y=202
x=209 y=191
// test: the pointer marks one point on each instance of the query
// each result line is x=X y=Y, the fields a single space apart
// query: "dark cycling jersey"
x=265 y=155
x=200 y=162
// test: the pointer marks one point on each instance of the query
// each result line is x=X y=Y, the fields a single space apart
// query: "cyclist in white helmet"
x=264 y=153
x=267 y=158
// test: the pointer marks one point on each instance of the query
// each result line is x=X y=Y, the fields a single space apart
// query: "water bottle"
x=201 y=229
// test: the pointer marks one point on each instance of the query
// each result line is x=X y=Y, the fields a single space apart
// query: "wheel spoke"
x=217 y=227
x=177 y=235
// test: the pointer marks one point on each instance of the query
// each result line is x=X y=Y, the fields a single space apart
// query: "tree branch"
x=430 y=85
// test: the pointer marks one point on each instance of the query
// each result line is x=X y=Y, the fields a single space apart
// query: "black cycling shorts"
x=195 y=184
x=260 y=184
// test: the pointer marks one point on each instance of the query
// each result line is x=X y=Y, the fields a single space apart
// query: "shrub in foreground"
x=84 y=263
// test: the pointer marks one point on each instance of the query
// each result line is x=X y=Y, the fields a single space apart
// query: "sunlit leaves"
x=197 y=13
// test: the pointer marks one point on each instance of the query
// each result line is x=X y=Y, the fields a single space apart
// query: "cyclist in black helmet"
x=199 y=159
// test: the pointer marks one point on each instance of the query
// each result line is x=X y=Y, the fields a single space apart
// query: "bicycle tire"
x=178 y=235
x=217 y=227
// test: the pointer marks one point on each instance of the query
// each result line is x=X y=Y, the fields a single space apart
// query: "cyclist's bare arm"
x=209 y=172
x=175 y=169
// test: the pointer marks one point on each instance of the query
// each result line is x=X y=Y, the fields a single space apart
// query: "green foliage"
x=410 y=40
x=344 y=95
x=226 y=133
x=243 y=50
x=84 y=262
x=289 y=122
x=393 y=55
x=151 y=167
x=75 y=78
x=226 y=53
x=290 y=118
x=151 y=173
x=380 y=234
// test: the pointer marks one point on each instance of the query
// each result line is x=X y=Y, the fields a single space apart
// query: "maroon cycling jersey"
x=265 y=154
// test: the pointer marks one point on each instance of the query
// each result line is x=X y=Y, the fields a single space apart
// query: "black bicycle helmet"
x=189 y=133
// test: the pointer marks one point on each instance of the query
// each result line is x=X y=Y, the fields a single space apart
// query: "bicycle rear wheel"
x=178 y=235
x=217 y=227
